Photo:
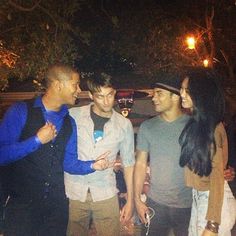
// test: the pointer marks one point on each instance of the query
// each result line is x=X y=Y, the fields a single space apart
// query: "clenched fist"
x=47 y=133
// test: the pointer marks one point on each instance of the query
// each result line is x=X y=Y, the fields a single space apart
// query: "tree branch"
x=21 y=8
x=11 y=29
x=103 y=10
x=51 y=16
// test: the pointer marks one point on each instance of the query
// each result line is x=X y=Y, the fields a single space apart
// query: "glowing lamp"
x=206 y=63
x=191 y=42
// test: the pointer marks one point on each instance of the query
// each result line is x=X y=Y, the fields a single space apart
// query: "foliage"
x=40 y=34
x=130 y=39
x=7 y=62
x=154 y=36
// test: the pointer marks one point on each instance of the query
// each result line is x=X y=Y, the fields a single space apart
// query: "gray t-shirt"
x=161 y=139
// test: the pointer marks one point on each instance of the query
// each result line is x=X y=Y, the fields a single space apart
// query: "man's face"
x=162 y=100
x=70 y=89
x=103 y=101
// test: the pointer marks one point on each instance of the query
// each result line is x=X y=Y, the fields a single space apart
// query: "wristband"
x=91 y=165
x=37 y=140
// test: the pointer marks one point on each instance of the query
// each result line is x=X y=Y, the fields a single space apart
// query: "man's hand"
x=142 y=210
x=47 y=133
x=117 y=165
x=207 y=232
x=126 y=213
x=102 y=162
x=229 y=174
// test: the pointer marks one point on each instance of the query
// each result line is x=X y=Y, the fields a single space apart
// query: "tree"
x=39 y=33
x=122 y=37
x=7 y=62
x=153 y=37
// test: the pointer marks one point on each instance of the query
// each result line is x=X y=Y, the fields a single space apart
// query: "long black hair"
x=197 y=138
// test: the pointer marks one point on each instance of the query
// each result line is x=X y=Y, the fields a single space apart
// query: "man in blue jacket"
x=38 y=141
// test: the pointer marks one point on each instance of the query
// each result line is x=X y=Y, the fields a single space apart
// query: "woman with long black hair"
x=202 y=143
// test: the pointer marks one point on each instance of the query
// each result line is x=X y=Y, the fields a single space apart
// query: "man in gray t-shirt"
x=158 y=138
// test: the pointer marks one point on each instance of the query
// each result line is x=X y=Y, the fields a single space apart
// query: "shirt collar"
x=89 y=107
x=62 y=112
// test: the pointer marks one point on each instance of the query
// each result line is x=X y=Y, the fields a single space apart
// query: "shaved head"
x=59 y=72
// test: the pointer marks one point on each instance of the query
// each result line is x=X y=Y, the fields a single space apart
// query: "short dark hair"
x=59 y=72
x=98 y=80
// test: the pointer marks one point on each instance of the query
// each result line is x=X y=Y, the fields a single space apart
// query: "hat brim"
x=167 y=87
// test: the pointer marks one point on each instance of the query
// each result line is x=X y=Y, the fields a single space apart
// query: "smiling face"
x=103 y=101
x=70 y=89
x=185 y=96
x=162 y=99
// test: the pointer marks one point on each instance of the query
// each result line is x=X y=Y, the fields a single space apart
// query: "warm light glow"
x=125 y=112
x=7 y=57
x=206 y=63
x=125 y=101
x=191 y=42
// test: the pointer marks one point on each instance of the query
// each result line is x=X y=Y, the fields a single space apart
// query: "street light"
x=198 y=50
x=191 y=42
x=206 y=63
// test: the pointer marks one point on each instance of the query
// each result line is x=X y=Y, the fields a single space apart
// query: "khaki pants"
x=105 y=216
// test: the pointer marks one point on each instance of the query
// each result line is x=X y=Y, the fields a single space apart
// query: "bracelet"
x=212 y=226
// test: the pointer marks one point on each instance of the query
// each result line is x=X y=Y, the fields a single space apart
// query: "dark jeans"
x=47 y=217
x=167 y=218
